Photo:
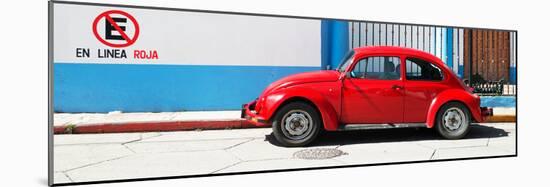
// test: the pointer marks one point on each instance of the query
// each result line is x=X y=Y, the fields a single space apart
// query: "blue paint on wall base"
x=498 y=101
x=160 y=88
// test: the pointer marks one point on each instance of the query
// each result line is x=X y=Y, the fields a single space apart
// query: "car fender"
x=471 y=101
x=274 y=101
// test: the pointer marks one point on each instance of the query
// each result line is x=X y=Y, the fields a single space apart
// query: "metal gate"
x=493 y=52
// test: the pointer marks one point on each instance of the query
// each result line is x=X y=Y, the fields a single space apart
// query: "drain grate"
x=318 y=153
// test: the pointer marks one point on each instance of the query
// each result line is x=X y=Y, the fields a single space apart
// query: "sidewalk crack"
x=68 y=177
x=433 y=154
x=249 y=140
x=154 y=136
x=225 y=167
x=141 y=138
x=95 y=163
x=130 y=149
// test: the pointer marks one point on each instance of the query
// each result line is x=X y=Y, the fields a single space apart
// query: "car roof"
x=398 y=51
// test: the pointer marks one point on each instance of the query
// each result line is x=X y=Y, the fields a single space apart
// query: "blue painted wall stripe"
x=461 y=71
x=326 y=34
x=334 y=42
x=449 y=47
x=513 y=75
x=159 y=88
x=340 y=42
x=498 y=101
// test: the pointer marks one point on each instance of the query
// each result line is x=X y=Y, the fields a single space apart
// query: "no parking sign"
x=112 y=20
x=117 y=29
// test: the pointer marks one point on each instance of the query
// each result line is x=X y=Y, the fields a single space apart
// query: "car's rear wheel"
x=296 y=124
x=453 y=120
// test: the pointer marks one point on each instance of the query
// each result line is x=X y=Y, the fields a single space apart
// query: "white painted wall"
x=193 y=38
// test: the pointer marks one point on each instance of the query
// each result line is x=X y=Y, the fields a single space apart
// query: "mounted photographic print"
x=157 y=93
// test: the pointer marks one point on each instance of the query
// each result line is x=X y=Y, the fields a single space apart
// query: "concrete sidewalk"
x=113 y=122
x=92 y=157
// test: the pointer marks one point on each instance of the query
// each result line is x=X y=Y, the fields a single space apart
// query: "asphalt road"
x=94 y=157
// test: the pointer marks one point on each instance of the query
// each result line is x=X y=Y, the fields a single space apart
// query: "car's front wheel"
x=453 y=120
x=296 y=124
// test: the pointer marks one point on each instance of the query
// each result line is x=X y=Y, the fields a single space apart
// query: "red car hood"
x=301 y=78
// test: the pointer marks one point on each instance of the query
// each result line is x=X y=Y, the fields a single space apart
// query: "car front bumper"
x=249 y=114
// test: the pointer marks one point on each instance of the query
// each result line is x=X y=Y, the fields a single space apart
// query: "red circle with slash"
x=108 y=18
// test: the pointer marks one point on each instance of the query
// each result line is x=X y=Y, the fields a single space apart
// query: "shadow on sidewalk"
x=393 y=135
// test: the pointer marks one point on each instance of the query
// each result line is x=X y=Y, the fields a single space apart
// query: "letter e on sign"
x=116 y=28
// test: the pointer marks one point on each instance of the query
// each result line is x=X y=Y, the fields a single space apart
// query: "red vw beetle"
x=374 y=87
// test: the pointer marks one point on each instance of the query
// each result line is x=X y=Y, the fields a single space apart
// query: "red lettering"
x=155 y=55
x=136 y=54
x=143 y=54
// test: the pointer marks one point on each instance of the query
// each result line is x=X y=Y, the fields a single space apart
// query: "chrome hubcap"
x=453 y=119
x=297 y=124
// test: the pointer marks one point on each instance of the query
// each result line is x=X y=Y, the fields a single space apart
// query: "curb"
x=186 y=125
x=152 y=126
x=501 y=118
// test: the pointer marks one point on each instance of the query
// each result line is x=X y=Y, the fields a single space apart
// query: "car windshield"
x=346 y=61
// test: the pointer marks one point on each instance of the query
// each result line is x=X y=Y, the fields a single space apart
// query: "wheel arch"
x=466 y=99
x=296 y=99
x=329 y=117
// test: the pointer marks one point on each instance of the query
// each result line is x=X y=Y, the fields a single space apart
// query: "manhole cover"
x=318 y=153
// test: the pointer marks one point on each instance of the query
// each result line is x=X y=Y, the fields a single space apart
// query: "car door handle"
x=397 y=87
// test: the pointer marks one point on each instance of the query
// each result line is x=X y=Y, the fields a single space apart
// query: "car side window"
x=418 y=69
x=378 y=68
x=359 y=69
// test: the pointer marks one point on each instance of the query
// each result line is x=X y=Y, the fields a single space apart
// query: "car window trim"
x=443 y=74
x=356 y=61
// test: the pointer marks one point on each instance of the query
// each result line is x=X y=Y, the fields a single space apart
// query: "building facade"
x=212 y=61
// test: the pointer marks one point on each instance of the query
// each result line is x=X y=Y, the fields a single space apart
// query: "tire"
x=296 y=124
x=453 y=120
